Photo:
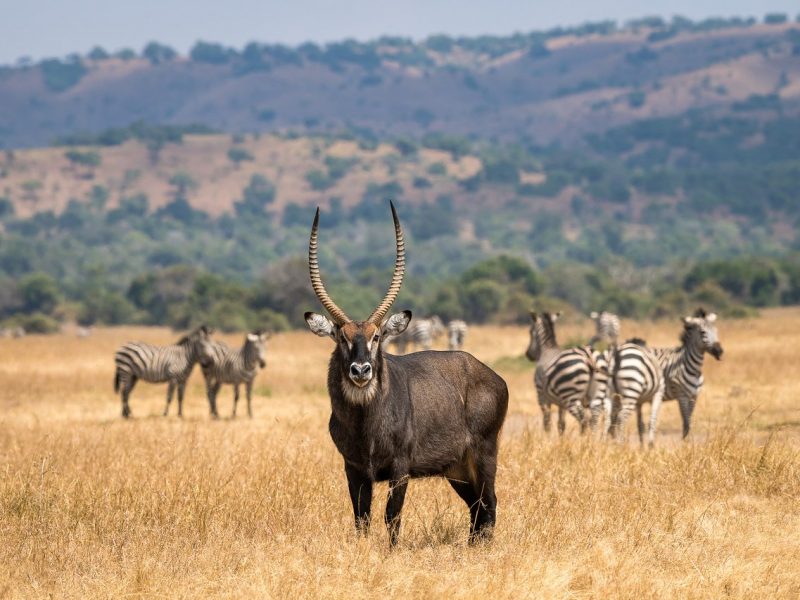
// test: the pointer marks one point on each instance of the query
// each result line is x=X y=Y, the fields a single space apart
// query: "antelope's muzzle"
x=360 y=373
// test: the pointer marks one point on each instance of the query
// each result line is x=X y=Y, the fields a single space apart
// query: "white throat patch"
x=359 y=395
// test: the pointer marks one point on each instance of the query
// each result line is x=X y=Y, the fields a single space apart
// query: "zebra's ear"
x=534 y=316
x=252 y=337
x=555 y=316
x=593 y=315
x=711 y=317
x=321 y=325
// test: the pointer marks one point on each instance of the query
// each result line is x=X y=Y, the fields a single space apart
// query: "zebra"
x=573 y=379
x=456 y=332
x=606 y=328
x=235 y=367
x=157 y=364
x=637 y=378
x=683 y=365
x=421 y=333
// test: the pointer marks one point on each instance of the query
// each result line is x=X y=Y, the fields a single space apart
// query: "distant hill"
x=553 y=86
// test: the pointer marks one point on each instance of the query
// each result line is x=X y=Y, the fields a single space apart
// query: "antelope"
x=394 y=418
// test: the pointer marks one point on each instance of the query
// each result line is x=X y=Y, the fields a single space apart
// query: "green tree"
x=39 y=293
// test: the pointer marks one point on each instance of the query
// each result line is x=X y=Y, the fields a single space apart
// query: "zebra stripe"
x=637 y=379
x=158 y=364
x=234 y=367
x=683 y=366
x=456 y=333
x=606 y=328
x=573 y=379
x=421 y=333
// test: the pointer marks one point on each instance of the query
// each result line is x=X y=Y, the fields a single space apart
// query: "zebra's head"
x=198 y=343
x=542 y=334
x=257 y=341
x=700 y=330
x=358 y=354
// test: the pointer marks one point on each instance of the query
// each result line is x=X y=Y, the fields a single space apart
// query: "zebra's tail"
x=116 y=380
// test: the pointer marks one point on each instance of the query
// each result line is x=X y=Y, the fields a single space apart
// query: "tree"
x=98 y=53
x=182 y=183
x=207 y=52
x=39 y=293
x=158 y=53
x=237 y=155
x=259 y=193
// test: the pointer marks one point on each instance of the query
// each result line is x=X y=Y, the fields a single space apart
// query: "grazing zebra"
x=234 y=367
x=421 y=333
x=157 y=364
x=456 y=333
x=683 y=365
x=572 y=379
x=637 y=378
x=606 y=328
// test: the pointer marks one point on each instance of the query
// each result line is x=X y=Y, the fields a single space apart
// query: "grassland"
x=92 y=506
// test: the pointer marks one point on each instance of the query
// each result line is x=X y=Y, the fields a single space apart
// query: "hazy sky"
x=41 y=28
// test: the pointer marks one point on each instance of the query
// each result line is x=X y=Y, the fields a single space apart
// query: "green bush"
x=59 y=76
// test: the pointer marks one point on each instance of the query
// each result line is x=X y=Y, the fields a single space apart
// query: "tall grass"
x=91 y=506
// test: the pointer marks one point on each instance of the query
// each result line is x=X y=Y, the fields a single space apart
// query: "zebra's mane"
x=549 y=329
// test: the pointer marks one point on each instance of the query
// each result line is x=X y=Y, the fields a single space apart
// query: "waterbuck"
x=398 y=417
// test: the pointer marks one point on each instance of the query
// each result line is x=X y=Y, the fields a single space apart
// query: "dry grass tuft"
x=91 y=506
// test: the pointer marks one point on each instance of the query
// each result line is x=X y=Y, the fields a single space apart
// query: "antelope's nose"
x=360 y=370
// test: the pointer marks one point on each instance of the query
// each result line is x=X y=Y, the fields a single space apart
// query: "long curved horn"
x=316 y=279
x=399 y=270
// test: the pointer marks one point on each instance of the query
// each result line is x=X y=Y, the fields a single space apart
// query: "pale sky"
x=44 y=28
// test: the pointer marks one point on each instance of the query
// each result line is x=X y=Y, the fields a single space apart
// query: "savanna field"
x=94 y=506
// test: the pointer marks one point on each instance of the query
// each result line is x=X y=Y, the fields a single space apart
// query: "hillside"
x=547 y=86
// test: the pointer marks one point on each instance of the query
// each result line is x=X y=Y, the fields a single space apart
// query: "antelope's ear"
x=711 y=317
x=321 y=325
x=397 y=323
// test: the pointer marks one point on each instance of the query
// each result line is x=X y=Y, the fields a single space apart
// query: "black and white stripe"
x=421 y=333
x=456 y=334
x=158 y=364
x=606 y=328
x=636 y=379
x=234 y=367
x=573 y=379
x=683 y=366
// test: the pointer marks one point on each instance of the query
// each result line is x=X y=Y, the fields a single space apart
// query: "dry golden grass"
x=92 y=506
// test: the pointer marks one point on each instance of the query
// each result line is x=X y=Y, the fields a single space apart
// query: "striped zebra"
x=456 y=333
x=573 y=379
x=235 y=367
x=421 y=333
x=683 y=365
x=606 y=328
x=637 y=378
x=157 y=364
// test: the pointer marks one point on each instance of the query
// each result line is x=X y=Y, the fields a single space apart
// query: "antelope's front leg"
x=398 y=485
x=360 y=487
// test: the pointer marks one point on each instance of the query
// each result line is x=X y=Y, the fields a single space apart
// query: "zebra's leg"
x=562 y=423
x=127 y=387
x=576 y=410
x=181 y=388
x=624 y=410
x=607 y=410
x=686 y=404
x=545 y=406
x=640 y=423
x=170 y=391
x=235 y=399
x=249 y=390
x=658 y=397
x=211 y=391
